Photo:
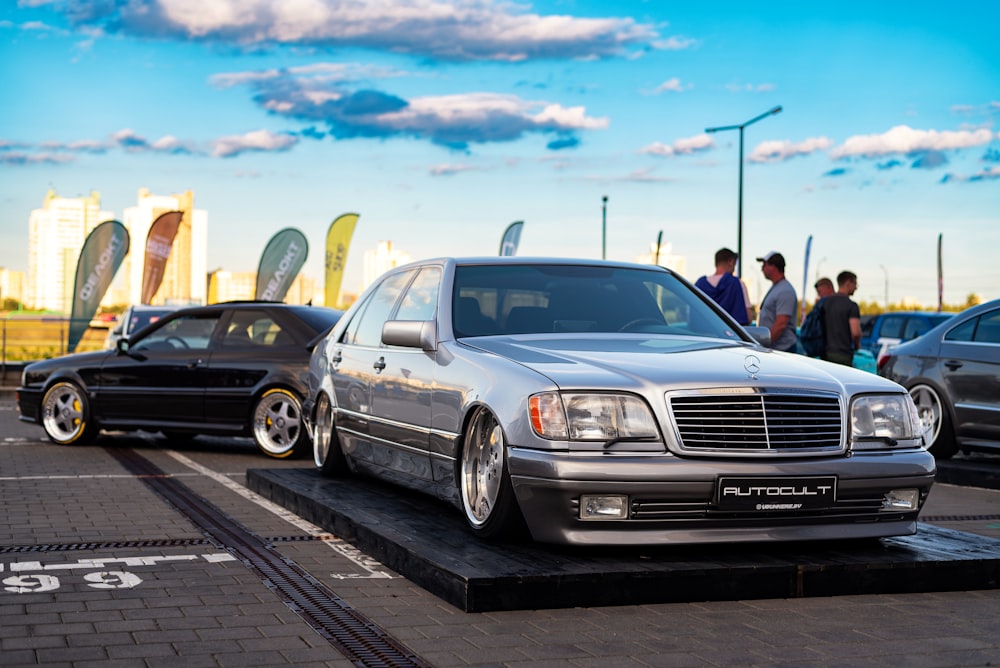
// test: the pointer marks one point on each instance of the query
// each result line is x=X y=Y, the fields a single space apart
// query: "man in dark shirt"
x=843 y=321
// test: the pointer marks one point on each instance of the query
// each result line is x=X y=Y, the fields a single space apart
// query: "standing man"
x=777 y=311
x=843 y=321
x=824 y=288
x=727 y=290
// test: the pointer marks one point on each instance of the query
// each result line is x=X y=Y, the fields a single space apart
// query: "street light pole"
x=886 y=272
x=739 y=205
x=604 y=227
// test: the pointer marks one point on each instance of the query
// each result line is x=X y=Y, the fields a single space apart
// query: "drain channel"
x=357 y=637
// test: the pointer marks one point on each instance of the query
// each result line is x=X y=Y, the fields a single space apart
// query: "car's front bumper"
x=29 y=404
x=673 y=499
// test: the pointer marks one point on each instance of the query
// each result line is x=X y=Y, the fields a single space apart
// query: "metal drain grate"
x=958 y=518
x=357 y=637
x=70 y=547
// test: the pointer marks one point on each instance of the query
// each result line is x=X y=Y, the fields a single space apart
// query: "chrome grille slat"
x=773 y=422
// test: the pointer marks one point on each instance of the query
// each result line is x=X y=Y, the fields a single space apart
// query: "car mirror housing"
x=122 y=345
x=410 y=334
x=761 y=335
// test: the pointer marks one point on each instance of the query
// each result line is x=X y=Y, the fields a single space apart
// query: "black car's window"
x=529 y=299
x=420 y=300
x=366 y=327
x=255 y=328
x=185 y=332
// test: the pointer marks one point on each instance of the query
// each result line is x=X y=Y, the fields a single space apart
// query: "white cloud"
x=449 y=30
x=779 y=151
x=903 y=139
x=685 y=146
x=258 y=140
x=672 y=85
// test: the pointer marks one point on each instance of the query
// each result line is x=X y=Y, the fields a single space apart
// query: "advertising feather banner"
x=338 y=240
x=101 y=255
x=280 y=264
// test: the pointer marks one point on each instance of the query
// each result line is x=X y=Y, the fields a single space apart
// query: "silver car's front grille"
x=768 y=422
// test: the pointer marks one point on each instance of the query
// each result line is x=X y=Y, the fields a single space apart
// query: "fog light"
x=603 y=507
x=901 y=499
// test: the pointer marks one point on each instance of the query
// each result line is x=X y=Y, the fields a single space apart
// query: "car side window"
x=914 y=328
x=255 y=328
x=892 y=327
x=988 y=330
x=962 y=332
x=366 y=329
x=420 y=300
x=186 y=332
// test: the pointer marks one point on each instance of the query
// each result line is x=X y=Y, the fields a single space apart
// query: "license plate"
x=776 y=494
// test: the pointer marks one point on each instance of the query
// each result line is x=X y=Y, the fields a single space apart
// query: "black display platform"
x=428 y=542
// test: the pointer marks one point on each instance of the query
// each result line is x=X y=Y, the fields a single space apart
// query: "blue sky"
x=442 y=122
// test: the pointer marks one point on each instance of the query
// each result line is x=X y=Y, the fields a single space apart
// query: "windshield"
x=535 y=299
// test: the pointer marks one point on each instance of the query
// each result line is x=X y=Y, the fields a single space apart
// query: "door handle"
x=953 y=365
x=379 y=364
x=192 y=364
x=337 y=358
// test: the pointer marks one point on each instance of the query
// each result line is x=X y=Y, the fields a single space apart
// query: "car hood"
x=71 y=361
x=675 y=362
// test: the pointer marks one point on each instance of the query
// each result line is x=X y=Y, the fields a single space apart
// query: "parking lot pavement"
x=100 y=566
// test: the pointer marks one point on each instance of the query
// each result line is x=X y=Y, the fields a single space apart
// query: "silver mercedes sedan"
x=600 y=403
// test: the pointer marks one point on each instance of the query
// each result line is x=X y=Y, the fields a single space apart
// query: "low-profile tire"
x=939 y=434
x=276 y=423
x=488 y=500
x=66 y=415
x=329 y=458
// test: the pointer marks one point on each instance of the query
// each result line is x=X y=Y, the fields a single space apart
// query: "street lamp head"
x=776 y=110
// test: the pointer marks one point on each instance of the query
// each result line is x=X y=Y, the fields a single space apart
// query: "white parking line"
x=372 y=568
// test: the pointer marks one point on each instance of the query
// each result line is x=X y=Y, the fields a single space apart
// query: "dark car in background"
x=953 y=374
x=881 y=332
x=231 y=369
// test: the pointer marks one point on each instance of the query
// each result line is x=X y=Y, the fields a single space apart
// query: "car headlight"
x=591 y=416
x=882 y=420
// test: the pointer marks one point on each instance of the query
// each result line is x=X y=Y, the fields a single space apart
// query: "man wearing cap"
x=725 y=289
x=777 y=311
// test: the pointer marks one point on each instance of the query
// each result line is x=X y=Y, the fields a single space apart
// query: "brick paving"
x=97 y=570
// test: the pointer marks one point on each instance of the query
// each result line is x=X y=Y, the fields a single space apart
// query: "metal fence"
x=26 y=338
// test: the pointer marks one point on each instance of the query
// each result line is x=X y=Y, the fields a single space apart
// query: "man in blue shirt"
x=727 y=290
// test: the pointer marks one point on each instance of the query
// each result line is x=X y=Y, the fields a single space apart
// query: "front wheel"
x=66 y=414
x=487 y=493
x=939 y=435
x=277 y=423
x=327 y=455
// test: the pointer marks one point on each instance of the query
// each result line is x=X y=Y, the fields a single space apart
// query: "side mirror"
x=410 y=334
x=761 y=335
x=122 y=346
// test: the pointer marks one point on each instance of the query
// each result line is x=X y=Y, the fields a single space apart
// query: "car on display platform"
x=592 y=402
x=953 y=374
x=237 y=369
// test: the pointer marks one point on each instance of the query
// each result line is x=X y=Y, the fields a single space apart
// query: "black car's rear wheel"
x=66 y=414
x=939 y=435
x=487 y=493
x=327 y=454
x=277 y=423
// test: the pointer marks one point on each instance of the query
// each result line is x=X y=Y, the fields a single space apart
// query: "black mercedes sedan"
x=237 y=368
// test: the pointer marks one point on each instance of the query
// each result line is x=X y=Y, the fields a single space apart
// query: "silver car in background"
x=592 y=402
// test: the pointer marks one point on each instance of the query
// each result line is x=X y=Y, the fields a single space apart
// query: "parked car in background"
x=953 y=374
x=133 y=319
x=232 y=369
x=595 y=403
x=881 y=332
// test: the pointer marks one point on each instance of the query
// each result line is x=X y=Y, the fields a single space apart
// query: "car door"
x=402 y=386
x=970 y=368
x=255 y=345
x=353 y=360
x=160 y=380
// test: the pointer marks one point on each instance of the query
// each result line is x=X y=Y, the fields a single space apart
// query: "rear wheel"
x=66 y=414
x=939 y=435
x=277 y=423
x=327 y=454
x=487 y=493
